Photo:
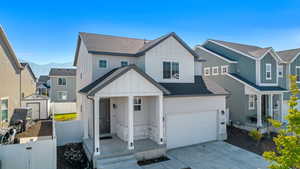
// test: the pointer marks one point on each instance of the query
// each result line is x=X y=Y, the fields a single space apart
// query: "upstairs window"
x=268 y=71
x=224 y=69
x=298 y=74
x=4 y=110
x=215 y=70
x=207 y=71
x=170 y=70
x=137 y=104
x=102 y=64
x=280 y=71
x=124 y=63
x=61 y=81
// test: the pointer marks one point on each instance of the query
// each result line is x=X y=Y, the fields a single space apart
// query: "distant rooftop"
x=62 y=72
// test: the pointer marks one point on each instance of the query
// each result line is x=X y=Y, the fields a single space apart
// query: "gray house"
x=256 y=77
x=62 y=85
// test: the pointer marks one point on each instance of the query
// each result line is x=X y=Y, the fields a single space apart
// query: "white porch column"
x=160 y=119
x=130 y=123
x=96 y=126
x=271 y=106
x=259 y=120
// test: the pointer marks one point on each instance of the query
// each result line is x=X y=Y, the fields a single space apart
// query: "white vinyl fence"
x=34 y=155
x=63 y=108
x=68 y=132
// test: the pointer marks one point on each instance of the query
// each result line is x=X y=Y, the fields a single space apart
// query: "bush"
x=256 y=135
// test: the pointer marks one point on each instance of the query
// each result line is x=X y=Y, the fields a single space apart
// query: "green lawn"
x=65 y=117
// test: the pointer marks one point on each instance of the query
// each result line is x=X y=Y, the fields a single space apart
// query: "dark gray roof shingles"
x=288 y=55
x=251 y=50
x=62 y=72
x=261 y=88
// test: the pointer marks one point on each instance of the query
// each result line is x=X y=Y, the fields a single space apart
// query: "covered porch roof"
x=256 y=87
x=114 y=74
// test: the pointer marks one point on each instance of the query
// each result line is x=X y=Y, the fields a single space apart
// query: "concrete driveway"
x=212 y=155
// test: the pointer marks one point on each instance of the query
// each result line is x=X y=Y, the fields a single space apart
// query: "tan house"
x=16 y=79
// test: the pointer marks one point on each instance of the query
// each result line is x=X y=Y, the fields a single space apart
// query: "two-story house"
x=140 y=97
x=16 y=80
x=255 y=77
x=62 y=85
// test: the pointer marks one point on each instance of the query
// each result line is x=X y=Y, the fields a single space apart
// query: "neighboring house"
x=62 y=85
x=43 y=85
x=255 y=77
x=17 y=79
x=144 y=96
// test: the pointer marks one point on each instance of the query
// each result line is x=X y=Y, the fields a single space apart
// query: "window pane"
x=298 y=74
x=137 y=107
x=124 y=63
x=175 y=70
x=166 y=70
x=102 y=63
x=4 y=114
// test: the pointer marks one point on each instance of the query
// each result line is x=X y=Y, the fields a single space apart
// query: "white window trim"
x=297 y=67
x=208 y=71
x=103 y=67
x=171 y=67
x=222 y=67
x=251 y=99
x=4 y=98
x=57 y=82
x=66 y=93
x=269 y=78
x=213 y=72
x=280 y=67
x=137 y=104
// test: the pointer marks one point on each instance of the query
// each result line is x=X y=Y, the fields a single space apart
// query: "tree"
x=287 y=153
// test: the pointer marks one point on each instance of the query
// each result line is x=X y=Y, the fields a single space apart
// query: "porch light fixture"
x=115 y=106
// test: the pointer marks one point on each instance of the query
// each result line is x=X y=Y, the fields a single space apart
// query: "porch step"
x=128 y=161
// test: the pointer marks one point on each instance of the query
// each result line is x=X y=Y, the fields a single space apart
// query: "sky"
x=47 y=31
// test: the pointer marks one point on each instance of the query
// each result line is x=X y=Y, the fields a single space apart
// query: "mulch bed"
x=62 y=163
x=39 y=129
x=240 y=138
x=152 y=161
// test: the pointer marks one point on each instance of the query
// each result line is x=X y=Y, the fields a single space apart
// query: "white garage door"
x=190 y=128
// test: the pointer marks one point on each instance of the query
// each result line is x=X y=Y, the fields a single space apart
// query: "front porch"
x=115 y=147
x=261 y=107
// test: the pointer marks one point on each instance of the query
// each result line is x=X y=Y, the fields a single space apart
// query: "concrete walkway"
x=213 y=155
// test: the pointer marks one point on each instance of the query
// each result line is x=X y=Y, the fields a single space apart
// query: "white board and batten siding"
x=193 y=120
x=68 y=132
x=33 y=155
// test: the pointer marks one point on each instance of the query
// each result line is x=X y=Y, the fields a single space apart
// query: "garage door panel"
x=190 y=128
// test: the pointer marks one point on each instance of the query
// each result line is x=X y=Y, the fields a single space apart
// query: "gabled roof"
x=114 y=74
x=201 y=87
x=27 y=66
x=250 y=51
x=62 y=72
x=43 y=78
x=289 y=55
x=260 y=88
x=122 y=46
x=11 y=54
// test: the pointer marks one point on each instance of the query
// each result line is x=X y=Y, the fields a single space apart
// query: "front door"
x=104 y=116
x=264 y=106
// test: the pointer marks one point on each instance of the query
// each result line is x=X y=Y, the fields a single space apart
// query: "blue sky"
x=46 y=31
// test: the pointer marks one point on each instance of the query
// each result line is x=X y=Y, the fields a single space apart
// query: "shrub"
x=256 y=135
